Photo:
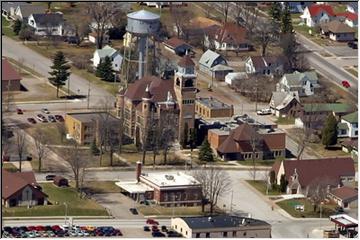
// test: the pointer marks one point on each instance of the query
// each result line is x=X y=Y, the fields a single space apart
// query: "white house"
x=107 y=51
x=267 y=65
x=304 y=83
x=22 y=12
x=234 y=77
x=229 y=37
x=348 y=126
x=47 y=24
x=316 y=14
x=352 y=7
x=284 y=104
x=94 y=39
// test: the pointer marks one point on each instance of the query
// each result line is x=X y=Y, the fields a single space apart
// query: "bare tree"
x=181 y=19
x=78 y=163
x=266 y=34
x=215 y=183
x=20 y=144
x=224 y=8
x=255 y=143
x=102 y=15
x=250 y=17
x=317 y=191
x=41 y=149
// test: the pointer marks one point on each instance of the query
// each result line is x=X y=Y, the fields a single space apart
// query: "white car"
x=45 y=110
x=265 y=111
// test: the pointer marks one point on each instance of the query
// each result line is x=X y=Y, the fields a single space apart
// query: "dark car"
x=31 y=120
x=51 y=118
x=164 y=229
x=146 y=228
x=19 y=111
x=157 y=234
x=41 y=118
x=50 y=177
x=134 y=211
x=59 y=118
x=154 y=228
x=339 y=210
x=352 y=45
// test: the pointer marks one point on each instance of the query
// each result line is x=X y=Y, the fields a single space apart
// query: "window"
x=186 y=233
x=181 y=230
x=207 y=235
x=197 y=235
x=356 y=133
x=224 y=234
x=355 y=125
x=234 y=234
x=244 y=234
x=175 y=226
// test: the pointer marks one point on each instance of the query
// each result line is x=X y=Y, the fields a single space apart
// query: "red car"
x=40 y=228
x=19 y=111
x=31 y=228
x=345 y=84
x=151 y=221
x=31 y=120
x=56 y=228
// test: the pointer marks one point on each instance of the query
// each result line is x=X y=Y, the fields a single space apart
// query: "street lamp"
x=66 y=209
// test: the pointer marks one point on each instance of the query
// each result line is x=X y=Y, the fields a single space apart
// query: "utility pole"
x=231 y=201
x=69 y=86
x=256 y=92
x=66 y=209
x=88 y=97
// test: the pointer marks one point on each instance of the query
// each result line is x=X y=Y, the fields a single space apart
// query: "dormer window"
x=178 y=82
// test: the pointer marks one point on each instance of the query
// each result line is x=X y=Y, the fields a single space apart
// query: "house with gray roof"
x=285 y=104
x=352 y=7
x=8 y=8
x=304 y=83
x=49 y=24
x=348 y=126
x=221 y=226
x=107 y=51
x=23 y=12
x=214 y=65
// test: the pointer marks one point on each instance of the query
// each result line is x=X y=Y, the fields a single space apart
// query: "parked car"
x=164 y=229
x=152 y=221
x=146 y=228
x=157 y=234
x=352 y=45
x=339 y=210
x=134 y=211
x=41 y=118
x=265 y=111
x=50 y=177
x=345 y=84
x=19 y=111
x=51 y=118
x=45 y=110
x=154 y=228
x=59 y=118
x=31 y=120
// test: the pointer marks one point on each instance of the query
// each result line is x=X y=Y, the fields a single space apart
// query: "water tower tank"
x=143 y=23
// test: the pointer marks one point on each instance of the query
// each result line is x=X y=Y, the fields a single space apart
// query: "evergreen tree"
x=286 y=24
x=105 y=70
x=275 y=11
x=94 y=149
x=192 y=139
x=184 y=140
x=17 y=26
x=329 y=133
x=283 y=183
x=60 y=71
x=25 y=32
x=205 y=152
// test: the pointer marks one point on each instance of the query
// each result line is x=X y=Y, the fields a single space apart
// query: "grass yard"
x=133 y=157
x=99 y=187
x=303 y=29
x=52 y=131
x=352 y=71
x=289 y=207
x=6 y=28
x=261 y=187
x=285 y=121
x=9 y=166
x=76 y=206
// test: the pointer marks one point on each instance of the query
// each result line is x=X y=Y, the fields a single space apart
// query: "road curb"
x=57 y=217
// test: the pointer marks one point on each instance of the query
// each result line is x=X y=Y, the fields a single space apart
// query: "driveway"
x=117 y=204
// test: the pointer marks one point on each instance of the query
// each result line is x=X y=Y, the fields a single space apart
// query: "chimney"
x=138 y=171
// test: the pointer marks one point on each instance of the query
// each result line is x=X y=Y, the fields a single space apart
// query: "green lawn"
x=100 y=187
x=289 y=207
x=261 y=187
x=51 y=131
x=303 y=29
x=10 y=167
x=76 y=206
x=285 y=121
x=6 y=28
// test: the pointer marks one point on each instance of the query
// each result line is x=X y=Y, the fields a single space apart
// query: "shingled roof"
x=231 y=33
x=14 y=182
x=158 y=88
x=48 y=19
x=261 y=62
x=175 y=42
x=8 y=71
x=344 y=193
x=335 y=26
x=311 y=170
x=186 y=61
x=315 y=9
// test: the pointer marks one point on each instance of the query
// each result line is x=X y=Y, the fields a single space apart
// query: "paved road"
x=33 y=60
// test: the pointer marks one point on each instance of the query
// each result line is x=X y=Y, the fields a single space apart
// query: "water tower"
x=142 y=24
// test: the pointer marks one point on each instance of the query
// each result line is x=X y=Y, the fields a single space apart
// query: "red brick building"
x=166 y=189
x=10 y=79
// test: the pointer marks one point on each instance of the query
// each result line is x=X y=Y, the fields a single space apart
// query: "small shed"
x=177 y=46
x=61 y=181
